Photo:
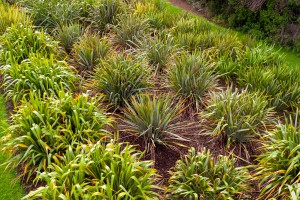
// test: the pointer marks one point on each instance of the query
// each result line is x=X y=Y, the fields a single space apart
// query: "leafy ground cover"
x=92 y=78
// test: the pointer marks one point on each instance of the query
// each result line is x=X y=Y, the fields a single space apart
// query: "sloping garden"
x=125 y=99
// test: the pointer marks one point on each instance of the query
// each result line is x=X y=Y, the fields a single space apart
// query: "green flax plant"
x=114 y=171
x=130 y=31
x=38 y=74
x=279 y=83
x=262 y=55
x=19 y=42
x=279 y=165
x=52 y=13
x=155 y=119
x=11 y=15
x=120 y=77
x=89 y=51
x=44 y=126
x=106 y=12
x=199 y=175
x=158 y=16
x=68 y=35
x=237 y=116
x=192 y=77
x=160 y=50
x=191 y=25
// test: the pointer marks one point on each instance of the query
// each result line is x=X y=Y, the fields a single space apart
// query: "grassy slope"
x=10 y=189
x=291 y=57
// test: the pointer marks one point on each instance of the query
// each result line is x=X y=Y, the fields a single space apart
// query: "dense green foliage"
x=273 y=19
x=199 y=175
x=191 y=77
x=38 y=74
x=237 y=116
x=120 y=77
x=67 y=35
x=89 y=50
x=11 y=15
x=43 y=127
x=279 y=166
x=18 y=42
x=114 y=171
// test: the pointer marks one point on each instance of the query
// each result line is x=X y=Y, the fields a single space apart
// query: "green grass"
x=291 y=58
x=10 y=188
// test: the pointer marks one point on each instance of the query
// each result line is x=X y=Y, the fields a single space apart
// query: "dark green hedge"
x=276 y=20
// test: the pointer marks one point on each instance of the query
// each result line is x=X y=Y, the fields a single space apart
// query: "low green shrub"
x=43 y=127
x=201 y=176
x=120 y=77
x=19 y=42
x=12 y=15
x=237 y=116
x=279 y=164
x=114 y=171
x=130 y=31
x=89 y=50
x=192 y=77
x=38 y=74
x=154 y=119
x=68 y=35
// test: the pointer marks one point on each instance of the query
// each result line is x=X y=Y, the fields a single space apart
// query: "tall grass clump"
x=160 y=50
x=262 y=55
x=237 y=116
x=192 y=25
x=38 y=74
x=192 y=77
x=154 y=119
x=43 y=126
x=279 y=83
x=279 y=165
x=12 y=15
x=130 y=31
x=223 y=43
x=19 y=42
x=89 y=51
x=114 y=171
x=106 y=12
x=188 y=41
x=52 y=13
x=158 y=16
x=199 y=175
x=120 y=77
x=68 y=35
